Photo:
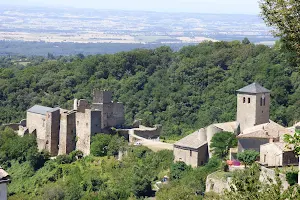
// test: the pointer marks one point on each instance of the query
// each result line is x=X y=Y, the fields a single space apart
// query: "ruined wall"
x=147 y=132
x=102 y=96
x=96 y=122
x=83 y=130
x=37 y=122
x=218 y=185
x=52 y=131
x=265 y=173
x=118 y=114
x=251 y=143
x=67 y=135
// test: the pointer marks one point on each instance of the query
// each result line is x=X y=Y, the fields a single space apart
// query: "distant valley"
x=62 y=29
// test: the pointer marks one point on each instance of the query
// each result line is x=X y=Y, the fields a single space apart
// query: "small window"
x=191 y=153
x=264 y=101
x=261 y=101
x=244 y=99
x=265 y=158
x=249 y=101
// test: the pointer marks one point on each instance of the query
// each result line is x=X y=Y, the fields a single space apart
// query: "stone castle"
x=61 y=131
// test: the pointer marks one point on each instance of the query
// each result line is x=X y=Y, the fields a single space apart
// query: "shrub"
x=292 y=178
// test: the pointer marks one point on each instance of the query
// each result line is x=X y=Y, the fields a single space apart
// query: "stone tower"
x=253 y=106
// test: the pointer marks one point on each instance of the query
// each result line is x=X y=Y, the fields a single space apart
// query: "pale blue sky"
x=199 y=6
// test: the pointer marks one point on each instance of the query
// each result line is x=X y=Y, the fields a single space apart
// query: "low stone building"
x=254 y=137
x=193 y=149
x=277 y=154
x=4 y=180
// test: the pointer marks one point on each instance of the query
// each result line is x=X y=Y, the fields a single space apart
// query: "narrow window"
x=190 y=153
x=264 y=101
x=249 y=100
x=265 y=158
x=244 y=100
x=261 y=101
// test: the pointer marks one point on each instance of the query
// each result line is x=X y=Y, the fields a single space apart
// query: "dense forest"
x=182 y=90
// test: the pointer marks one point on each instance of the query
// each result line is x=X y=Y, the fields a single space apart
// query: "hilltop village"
x=61 y=131
x=253 y=128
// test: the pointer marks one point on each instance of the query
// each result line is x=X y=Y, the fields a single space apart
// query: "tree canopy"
x=222 y=142
x=248 y=157
x=284 y=17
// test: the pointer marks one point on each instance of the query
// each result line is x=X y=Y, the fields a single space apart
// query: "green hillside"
x=183 y=90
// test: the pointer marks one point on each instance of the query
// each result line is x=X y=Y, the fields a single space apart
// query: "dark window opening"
x=190 y=152
x=249 y=100
x=244 y=100
x=260 y=101
x=264 y=101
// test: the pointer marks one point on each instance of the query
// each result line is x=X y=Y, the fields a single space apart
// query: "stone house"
x=254 y=137
x=61 y=131
x=4 y=180
x=194 y=149
x=276 y=154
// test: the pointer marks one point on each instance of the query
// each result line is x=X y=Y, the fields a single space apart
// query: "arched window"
x=264 y=101
x=244 y=99
x=249 y=101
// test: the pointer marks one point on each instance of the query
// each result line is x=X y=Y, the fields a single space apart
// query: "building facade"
x=61 y=131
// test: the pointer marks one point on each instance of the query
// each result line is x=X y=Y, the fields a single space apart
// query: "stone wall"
x=67 y=135
x=36 y=124
x=251 y=143
x=202 y=155
x=83 y=130
x=218 y=185
x=148 y=133
x=265 y=173
x=52 y=131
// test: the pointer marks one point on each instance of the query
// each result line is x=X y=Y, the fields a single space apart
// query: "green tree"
x=248 y=157
x=295 y=141
x=178 y=169
x=246 y=41
x=284 y=17
x=99 y=145
x=222 y=142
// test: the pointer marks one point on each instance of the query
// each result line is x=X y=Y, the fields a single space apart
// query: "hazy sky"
x=200 y=6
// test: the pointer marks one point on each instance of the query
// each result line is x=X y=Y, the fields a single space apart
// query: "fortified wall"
x=61 y=131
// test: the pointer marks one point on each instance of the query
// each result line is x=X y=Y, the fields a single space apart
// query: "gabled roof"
x=282 y=146
x=267 y=130
x=253 y=88
x=192 y=141
x=42 y=110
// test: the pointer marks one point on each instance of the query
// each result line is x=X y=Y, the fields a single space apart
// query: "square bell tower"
x=253 y=106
